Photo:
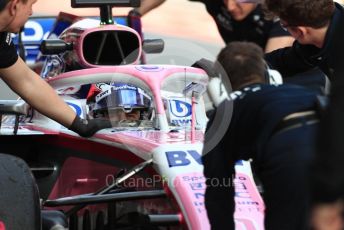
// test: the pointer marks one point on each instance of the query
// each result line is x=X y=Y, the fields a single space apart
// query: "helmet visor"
x=124 y=96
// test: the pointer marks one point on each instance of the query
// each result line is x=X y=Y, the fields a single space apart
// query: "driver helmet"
x=121 y=101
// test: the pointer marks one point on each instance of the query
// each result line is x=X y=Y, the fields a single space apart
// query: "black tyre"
x=19 y=198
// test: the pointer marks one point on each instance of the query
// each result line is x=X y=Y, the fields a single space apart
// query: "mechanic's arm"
x=38 y=93
x=148 y=5
x=278 y=37
x=35 y=91
x=288 y=61
x=275 y=43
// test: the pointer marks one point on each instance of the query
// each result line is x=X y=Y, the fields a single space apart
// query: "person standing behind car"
x=237 y=20
x=273 y=125
x=318 y=29
x=26 y=83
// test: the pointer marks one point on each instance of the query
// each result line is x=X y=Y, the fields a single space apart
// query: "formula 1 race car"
x=144 y=172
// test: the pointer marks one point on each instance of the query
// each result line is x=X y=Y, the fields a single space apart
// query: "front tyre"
x=19 y=198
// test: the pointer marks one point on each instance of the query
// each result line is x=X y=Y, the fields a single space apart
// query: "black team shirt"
x=8 y=53
x=254 y=28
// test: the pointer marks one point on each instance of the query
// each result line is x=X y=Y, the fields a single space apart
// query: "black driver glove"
x=86 y=128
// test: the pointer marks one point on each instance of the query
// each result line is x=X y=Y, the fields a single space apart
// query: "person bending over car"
x=318 y=29
x=237 y=20
x=26 y=83
x=273 y=125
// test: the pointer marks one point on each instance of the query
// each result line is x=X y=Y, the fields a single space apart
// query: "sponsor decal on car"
x=180 y=111
x=182 y=158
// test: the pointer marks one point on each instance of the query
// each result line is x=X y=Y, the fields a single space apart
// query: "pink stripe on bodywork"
x=249 y=214
x=146 y=141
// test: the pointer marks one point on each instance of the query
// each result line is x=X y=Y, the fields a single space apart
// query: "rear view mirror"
x=153 y=46
x=109 y=47
x=54 y=46
x=13 y=107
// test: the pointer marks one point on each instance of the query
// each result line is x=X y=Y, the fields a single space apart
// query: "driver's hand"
x=86 y=128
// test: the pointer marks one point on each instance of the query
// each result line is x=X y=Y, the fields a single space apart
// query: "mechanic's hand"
x=86 y=128
x=327 y=216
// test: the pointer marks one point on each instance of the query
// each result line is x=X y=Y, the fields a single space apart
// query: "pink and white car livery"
x=145 y=173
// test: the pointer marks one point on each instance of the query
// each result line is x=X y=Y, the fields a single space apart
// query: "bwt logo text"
x=181 y=158
x=180 y=108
